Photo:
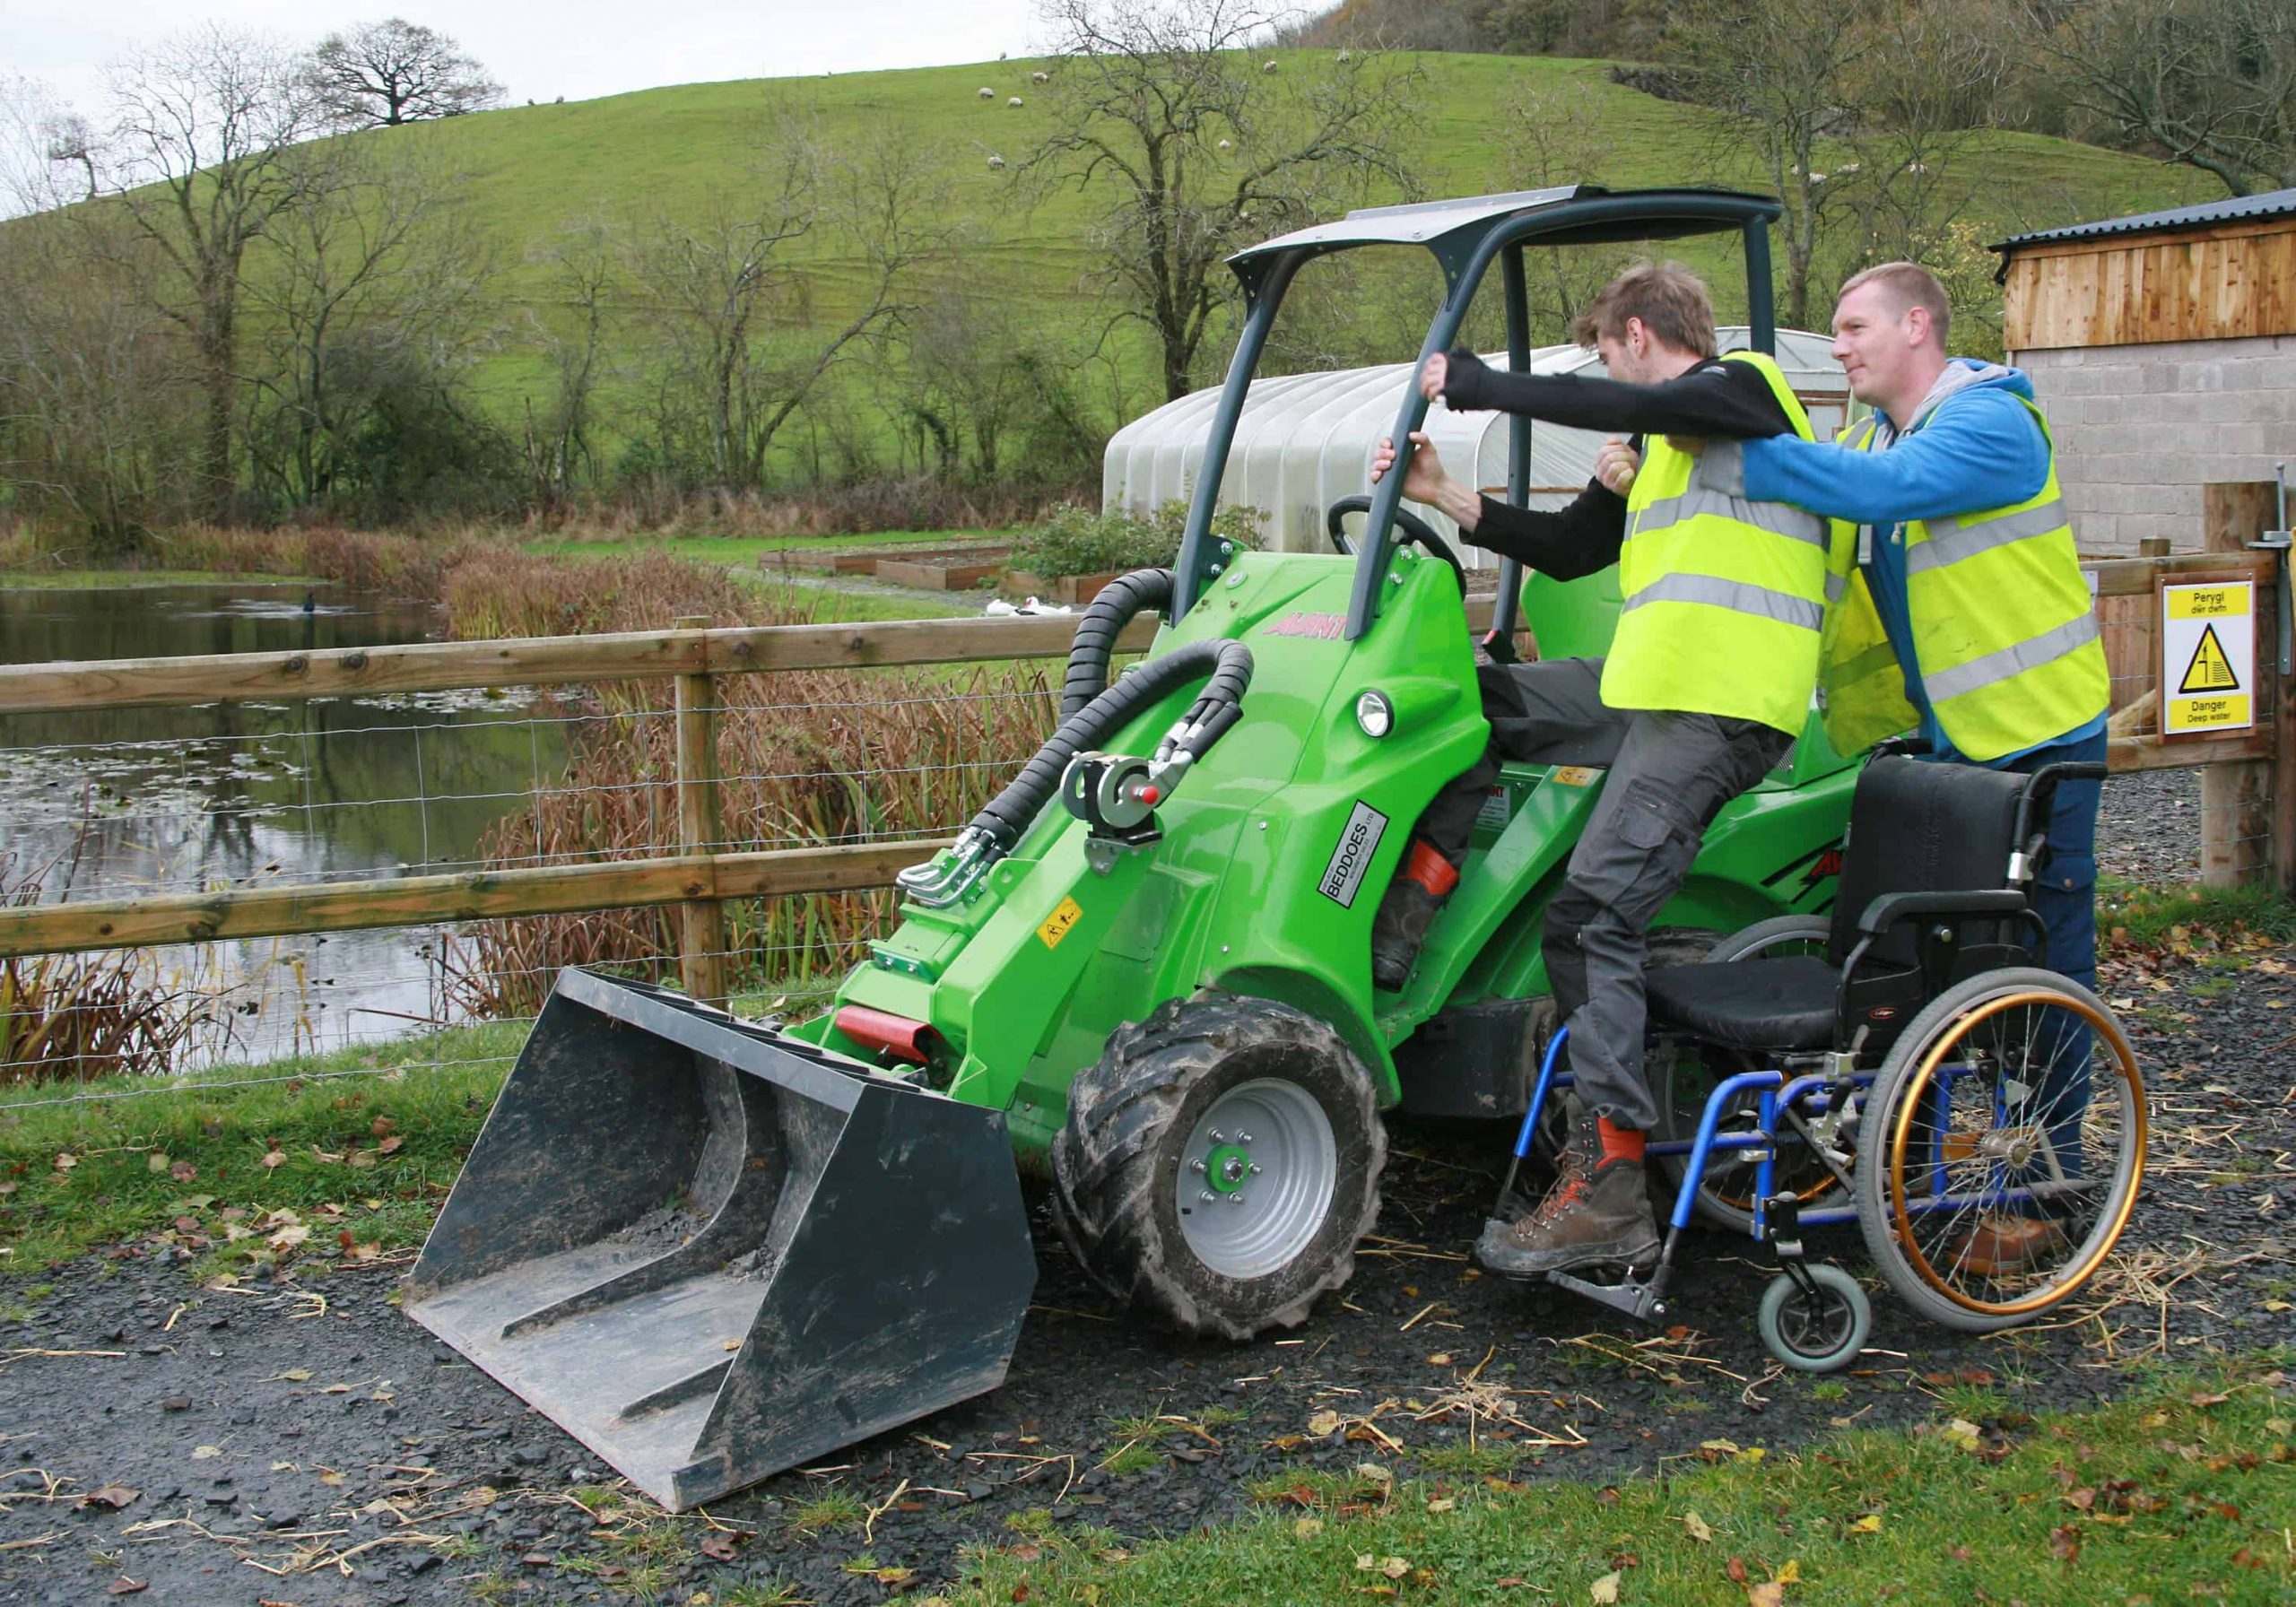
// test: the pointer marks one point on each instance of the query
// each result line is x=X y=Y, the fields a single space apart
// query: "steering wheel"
x=1415 y=530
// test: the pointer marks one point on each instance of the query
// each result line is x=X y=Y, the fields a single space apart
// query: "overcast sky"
x=540 y=49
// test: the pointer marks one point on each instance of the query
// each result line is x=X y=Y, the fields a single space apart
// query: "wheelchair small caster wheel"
x=1820 y=1332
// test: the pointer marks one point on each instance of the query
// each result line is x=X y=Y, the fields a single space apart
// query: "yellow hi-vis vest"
x=1721 y=601
x=2004 y=627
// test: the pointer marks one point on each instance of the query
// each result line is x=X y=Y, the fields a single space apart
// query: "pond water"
x=103 y=804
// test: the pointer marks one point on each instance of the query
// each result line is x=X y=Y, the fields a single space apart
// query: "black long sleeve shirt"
x=1729 y=400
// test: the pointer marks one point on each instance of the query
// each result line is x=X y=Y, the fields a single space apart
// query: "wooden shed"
x=2163 y=349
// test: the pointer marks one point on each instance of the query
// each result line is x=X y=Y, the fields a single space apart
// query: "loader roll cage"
x=1466 y=236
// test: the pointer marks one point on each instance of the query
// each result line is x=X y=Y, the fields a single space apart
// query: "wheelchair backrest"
x=1919 y=826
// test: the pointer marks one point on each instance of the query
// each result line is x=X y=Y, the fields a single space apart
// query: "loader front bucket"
x=711 y=1252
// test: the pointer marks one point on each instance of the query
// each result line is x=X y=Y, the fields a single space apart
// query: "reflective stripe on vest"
x=1968 y=538
x=2015 y=659
x=1721 y=598
x=1736 y=595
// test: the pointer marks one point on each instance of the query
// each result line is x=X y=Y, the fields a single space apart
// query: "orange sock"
x=1429 y=869
x=1620 y=1143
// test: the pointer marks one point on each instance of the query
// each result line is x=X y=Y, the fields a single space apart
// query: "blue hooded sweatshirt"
x=1972 y=446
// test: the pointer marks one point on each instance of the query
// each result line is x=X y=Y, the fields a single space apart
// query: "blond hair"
x=1908 y=285
x=1668 y=298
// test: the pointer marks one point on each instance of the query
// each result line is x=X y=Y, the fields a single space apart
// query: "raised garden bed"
x=1056 y=588
x=942 y=572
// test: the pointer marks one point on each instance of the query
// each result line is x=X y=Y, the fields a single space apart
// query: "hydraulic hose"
x=1119 y=602
x=1228 y=663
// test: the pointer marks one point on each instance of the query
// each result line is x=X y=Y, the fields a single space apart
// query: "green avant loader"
x=714 y=1248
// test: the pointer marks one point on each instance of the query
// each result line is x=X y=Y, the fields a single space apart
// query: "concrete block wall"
x=2141 y=429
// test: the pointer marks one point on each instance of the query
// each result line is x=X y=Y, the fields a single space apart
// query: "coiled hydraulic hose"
x=1228 y=665
x=1120 y=602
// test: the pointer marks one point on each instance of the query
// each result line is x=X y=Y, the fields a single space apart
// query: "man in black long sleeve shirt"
x=1673 y=767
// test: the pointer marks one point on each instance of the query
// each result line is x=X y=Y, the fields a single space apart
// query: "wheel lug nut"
x=1235 y=1199
x=1196 y=1165
x=1216 y=1136
x=1208 y=1197
x=1252 y=1171
x=1243 y=1138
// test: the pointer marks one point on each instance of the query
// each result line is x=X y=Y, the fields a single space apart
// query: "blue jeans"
x=2063 y=894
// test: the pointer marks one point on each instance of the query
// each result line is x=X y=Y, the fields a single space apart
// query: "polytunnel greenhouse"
x=1306 y=440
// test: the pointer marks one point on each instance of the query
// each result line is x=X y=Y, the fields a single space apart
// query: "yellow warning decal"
x=2207 y=602
x=1065 y=915
x=1573 y=774
x=2209 y=671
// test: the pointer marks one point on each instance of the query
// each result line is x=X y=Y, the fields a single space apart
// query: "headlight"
x=1375 y=713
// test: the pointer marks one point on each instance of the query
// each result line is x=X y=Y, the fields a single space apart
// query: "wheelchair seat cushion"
x=1781 y=1003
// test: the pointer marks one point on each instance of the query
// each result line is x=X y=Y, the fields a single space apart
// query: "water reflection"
x=114 y=803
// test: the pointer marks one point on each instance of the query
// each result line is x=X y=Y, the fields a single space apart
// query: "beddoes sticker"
x=1357 y=843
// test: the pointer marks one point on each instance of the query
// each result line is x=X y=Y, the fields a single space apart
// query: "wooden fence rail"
x=2252 y=828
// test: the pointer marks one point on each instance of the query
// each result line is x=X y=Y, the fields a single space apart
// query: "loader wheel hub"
x=1257 y=1177
x=1228 y=1166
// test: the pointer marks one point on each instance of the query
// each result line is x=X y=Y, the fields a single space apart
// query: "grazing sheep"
x=1227 y=146
x=1016 y=100
x=1347 y=56
x=1041 y=77
x=996 y=162
x=1267 y=66
x=987 y=94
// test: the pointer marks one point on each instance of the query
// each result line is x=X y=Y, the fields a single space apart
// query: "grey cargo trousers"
x=1670 y=774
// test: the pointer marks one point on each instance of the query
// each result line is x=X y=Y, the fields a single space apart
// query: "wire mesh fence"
x=356 y=795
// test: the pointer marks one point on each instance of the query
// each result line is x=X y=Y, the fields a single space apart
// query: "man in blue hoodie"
x=1964 y=559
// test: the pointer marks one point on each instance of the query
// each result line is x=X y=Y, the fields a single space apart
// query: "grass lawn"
x=2185 y=1491
x=750 y=549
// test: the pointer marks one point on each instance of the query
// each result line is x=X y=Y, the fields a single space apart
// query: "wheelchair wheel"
x=1684 y=1073
x=1815 y=1333
x=2001 y=1149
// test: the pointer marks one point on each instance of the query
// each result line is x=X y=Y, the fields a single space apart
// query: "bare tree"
x=2208 y=84
x=1779 y=76
x=384 y=73
x=1556 y=135
x=199 y=151
x=734 y=299
x=372 y=283
x=1192 y=143
x=581 y=278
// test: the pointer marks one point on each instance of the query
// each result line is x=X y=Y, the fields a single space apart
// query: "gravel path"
x=304 y=1443
x=2148 y=827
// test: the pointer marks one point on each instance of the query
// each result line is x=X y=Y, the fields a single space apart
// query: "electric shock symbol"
x=2210 y=670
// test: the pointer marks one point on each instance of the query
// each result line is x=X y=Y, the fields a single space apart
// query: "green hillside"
x=531 y=169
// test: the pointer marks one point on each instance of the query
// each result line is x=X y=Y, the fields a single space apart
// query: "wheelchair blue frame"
x=1777 y=1220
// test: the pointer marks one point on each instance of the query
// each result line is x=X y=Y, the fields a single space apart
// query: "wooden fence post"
x=701 y=934
x=2240 y=804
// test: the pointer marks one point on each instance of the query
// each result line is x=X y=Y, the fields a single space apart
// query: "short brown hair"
x=1668 y=298
x=1909 y=285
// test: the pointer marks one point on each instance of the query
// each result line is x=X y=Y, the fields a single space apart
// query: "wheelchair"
x=1907 y=1066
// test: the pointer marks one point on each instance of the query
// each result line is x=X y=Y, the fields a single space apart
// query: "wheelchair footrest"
x=1644 y=1302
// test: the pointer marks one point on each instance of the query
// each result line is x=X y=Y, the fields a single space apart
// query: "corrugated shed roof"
x=2274 y=204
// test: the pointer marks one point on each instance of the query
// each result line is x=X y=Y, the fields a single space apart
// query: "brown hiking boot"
x=1400 y=927
x=1998 y=1246
x=1588 y=1217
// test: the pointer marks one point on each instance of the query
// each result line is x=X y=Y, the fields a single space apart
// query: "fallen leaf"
x=2065 y=1543
x=125 y=1586
x=1870 y=1523
x=183 y=1171
x=1960 y=1432
x=2209 y=1400
x=1441 y=1504
x=390 y=1146
x=330 y=1478
x=719 y=1547
x=274 y=1158
x=1772 y=1594
x=1604 y=1590
x=1726 y=1448
x=1696 y=1526
x=289 y=1236
x=155 y=1162
x=1440 y=1358
x=64 y=1163
x=205 y=1453
x=1323 y=1423
x=1372 y=1472
x=1791 y=1573
x=362 y=1158
x=1736 y=1570
x=1394 y=1568
x=1307 y=1528
x=113 y=1496
x=382 y=1126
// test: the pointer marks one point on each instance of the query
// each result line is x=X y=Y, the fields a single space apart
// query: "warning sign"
x=2208 y=658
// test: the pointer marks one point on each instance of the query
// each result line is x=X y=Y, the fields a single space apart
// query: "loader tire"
x=1146 y=1199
